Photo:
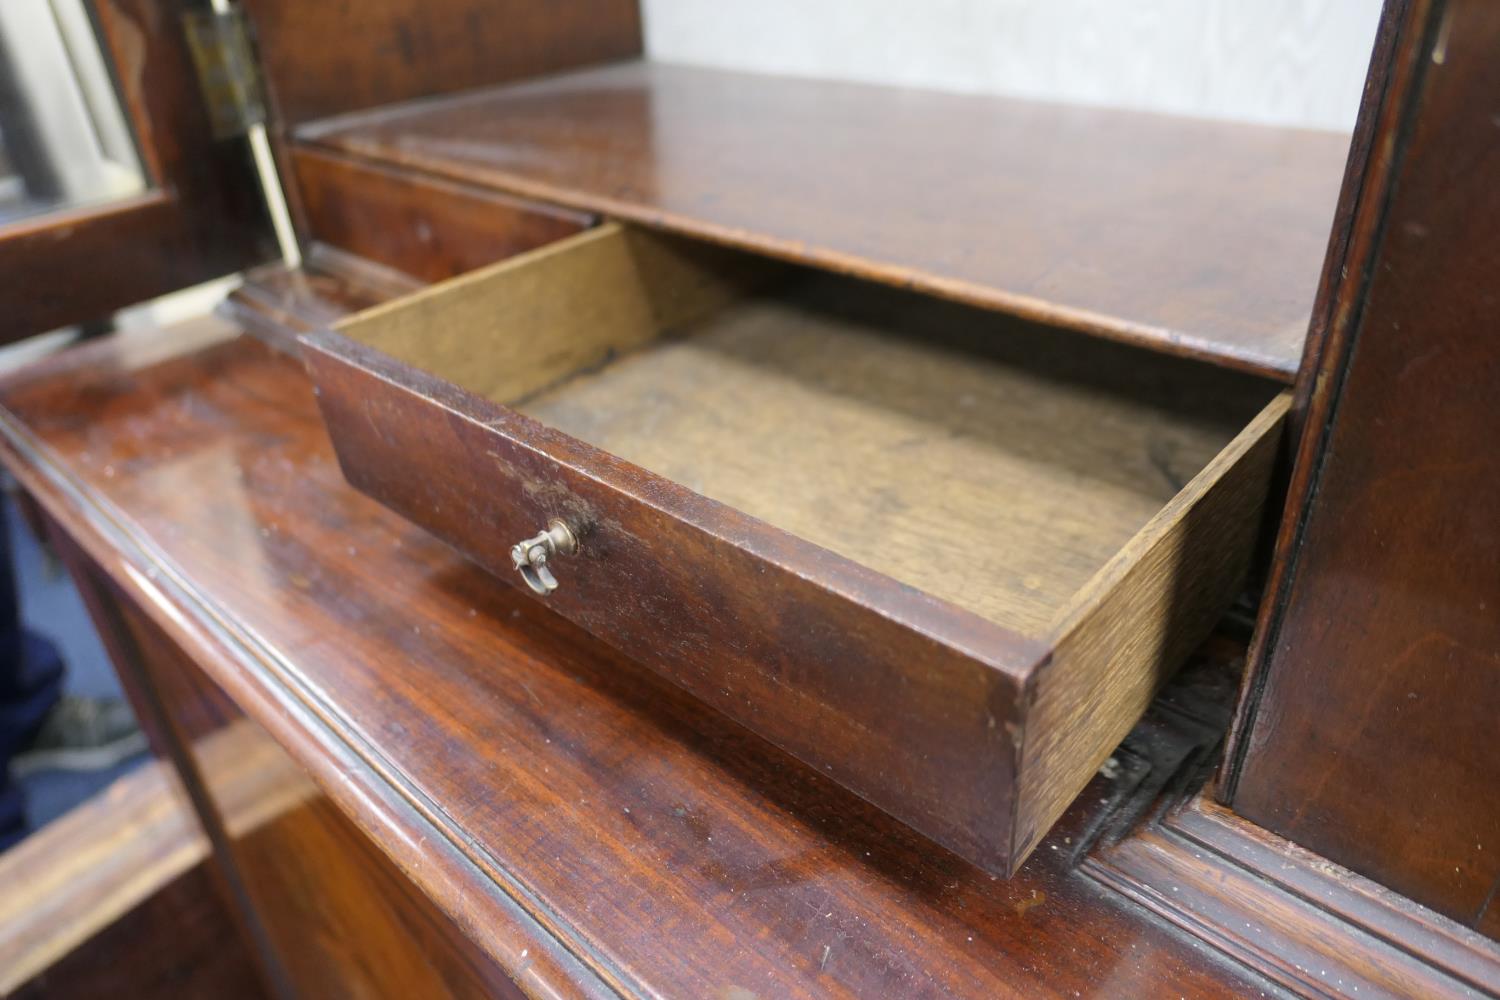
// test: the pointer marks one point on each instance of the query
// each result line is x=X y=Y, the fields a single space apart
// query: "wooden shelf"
x=1185 y=236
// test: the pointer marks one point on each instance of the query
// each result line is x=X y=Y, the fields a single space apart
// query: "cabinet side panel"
x=1373 y=743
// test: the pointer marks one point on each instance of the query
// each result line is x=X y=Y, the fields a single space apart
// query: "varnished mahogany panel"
x=325 y=58
x=1309 y=925
x=347 y=922
x=1378 y=689
x=1186 y=236
x=590 y=827
x=745 y=617
x=428 y=228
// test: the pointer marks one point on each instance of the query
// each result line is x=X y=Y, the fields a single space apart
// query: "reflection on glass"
x=64 y=141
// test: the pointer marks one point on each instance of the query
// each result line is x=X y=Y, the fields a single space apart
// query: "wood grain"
x=1183 y=236
x=567 y=809
x=323 y=59
x=428 y=228
x=332 y=915
x=945 y=448
x=178 y=943
x=278 y=302
x=1128 y=628
x=1356 y=226
x=93 y=865
x=1307 y=924
x=1378 y=654
x=518 y=326
x=804 y=644
x=347 y=922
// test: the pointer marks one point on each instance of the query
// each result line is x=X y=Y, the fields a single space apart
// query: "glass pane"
x=64 y=141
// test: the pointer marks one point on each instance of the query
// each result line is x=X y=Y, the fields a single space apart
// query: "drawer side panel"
x=1134 y=624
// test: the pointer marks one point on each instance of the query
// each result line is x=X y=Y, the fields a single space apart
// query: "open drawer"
x=942 y=555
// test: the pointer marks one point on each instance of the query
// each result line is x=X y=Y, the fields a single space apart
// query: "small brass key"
x=532 y=555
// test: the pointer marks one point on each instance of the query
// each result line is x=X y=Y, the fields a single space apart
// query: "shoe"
x=82 y=734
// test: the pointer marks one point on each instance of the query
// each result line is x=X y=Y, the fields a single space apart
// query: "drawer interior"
x=984 y=460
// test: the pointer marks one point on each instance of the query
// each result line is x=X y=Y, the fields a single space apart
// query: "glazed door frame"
x=202 y=215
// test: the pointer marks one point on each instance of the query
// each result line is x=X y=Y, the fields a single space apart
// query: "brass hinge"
x=227 y=73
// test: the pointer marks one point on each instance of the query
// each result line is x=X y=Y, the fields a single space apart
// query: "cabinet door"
x=113 y=185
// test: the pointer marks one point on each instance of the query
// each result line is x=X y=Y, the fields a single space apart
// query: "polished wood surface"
x=1369 y=154
x=590 y=827
x=1358 y=225
x=203 y=216
x=425 y=227
x=347 y=922
x=325 y=58
x=813 y=545
x=1313 y=927
x=1184 y=236
x=1372 y=739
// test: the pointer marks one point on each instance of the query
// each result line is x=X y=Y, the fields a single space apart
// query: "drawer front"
x=429 y=228
x=910 y=702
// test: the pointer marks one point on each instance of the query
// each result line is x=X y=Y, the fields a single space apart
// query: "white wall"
x=1291 y=62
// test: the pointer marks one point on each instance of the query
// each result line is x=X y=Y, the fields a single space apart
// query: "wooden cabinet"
x=790 y=494
x=942 y=542
x=944 y=557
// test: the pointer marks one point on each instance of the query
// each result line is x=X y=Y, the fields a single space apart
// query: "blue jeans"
x=31 y=680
